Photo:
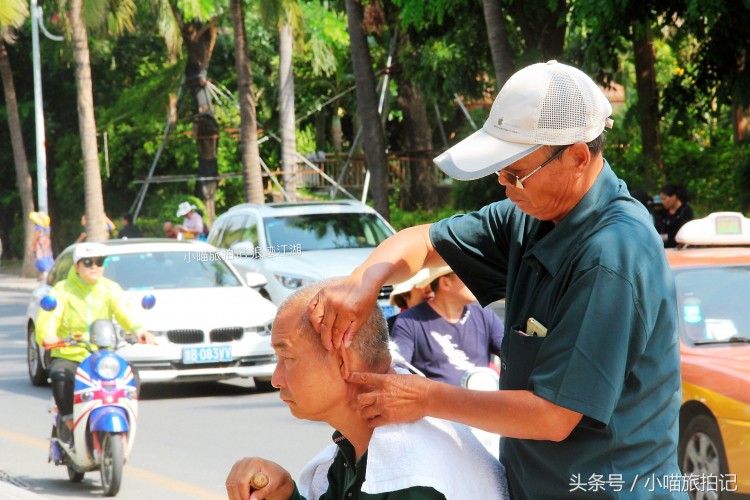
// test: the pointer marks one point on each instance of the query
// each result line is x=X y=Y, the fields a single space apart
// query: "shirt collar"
x=552 y=249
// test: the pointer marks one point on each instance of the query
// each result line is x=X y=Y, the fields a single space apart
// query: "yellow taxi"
x=712 y=274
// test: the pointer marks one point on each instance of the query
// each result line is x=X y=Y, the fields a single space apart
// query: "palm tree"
x=248 y=123
x=500 y=49
x=12 y=15
x=199 y=31
x=286 y=107
x=286 y=16
x=92 y=178
x=367 y=104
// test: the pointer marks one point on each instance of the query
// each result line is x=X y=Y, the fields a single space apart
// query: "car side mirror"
x=243 y=249
x=255 y=280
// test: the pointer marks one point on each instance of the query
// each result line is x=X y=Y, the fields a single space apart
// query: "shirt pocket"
x=519 y=359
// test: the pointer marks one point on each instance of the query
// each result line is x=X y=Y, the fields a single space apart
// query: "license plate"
x=210 y=354
x=389 y=311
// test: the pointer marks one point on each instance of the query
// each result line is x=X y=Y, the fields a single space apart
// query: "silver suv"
x=294 y=244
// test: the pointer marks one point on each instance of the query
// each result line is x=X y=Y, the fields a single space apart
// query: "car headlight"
x=108 y=367
x=291 y=281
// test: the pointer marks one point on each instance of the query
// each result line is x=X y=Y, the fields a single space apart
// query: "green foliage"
x=164 y=209
x=401 y=219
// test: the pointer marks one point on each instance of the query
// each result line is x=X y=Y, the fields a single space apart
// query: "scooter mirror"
x=48 y=303
x=103 y=333
x=148 y=301
x=481 y=379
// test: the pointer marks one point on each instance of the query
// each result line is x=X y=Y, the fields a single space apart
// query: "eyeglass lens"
x=99 y=261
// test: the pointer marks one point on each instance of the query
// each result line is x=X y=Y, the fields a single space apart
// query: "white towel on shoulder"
x=429 y=452
x=432 y=452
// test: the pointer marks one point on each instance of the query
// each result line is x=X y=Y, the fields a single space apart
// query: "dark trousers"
x=63 y=375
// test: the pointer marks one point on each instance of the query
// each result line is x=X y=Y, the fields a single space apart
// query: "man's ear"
x=580 y=154
x=345 y=364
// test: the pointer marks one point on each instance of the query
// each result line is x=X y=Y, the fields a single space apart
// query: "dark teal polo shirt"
x=599 y=281
x=346 y=475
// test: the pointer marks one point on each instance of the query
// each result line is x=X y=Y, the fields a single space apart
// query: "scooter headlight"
x=108 y=367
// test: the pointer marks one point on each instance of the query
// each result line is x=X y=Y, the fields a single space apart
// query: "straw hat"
x=433 y=274
x=39 y=218
x=407 y=286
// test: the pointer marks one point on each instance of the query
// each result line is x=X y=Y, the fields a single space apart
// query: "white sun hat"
x=550 y=104
x=184 y=208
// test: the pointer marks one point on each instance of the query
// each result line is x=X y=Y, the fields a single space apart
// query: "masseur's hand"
x=338 y=310
x=393 y=399
x=239 y=487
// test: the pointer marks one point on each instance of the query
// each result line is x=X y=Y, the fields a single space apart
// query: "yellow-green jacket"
x=78 y=306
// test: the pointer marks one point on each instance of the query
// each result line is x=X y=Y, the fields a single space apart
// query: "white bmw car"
x=209 y=323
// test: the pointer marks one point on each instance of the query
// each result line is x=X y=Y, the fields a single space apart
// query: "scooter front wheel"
x=113 y=458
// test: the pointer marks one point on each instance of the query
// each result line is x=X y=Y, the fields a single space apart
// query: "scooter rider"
x=83 y=297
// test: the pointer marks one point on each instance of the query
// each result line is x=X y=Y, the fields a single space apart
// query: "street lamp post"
x=41 y=154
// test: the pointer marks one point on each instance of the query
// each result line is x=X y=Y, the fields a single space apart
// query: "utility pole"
x=41 y=152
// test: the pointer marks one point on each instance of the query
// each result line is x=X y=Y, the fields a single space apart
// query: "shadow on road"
x=181 y=390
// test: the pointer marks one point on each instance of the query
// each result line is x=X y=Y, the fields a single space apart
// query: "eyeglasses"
x=518 y=181
x=90 y=261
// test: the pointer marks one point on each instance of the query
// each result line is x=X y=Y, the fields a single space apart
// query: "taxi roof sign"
x=716 y=229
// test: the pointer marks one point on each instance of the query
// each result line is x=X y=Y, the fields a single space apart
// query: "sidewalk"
x=11 y=280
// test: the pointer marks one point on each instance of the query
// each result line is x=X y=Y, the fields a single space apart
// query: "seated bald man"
x=426 y=459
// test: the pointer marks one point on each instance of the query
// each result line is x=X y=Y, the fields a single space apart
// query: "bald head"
x=370 y=342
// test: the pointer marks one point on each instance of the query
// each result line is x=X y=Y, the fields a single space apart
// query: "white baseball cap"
x=84 y=250
x=545 y=104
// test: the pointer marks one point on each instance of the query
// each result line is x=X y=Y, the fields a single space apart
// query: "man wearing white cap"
x=590 y=385
x=192 y=222
x=450 y=334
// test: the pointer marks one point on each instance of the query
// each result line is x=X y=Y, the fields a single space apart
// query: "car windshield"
x=326 y=231
x=164 y=270
x=713 y=303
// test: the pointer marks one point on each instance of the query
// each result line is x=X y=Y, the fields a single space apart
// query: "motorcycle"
x=105 y=407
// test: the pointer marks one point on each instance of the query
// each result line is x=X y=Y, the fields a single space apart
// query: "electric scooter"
x=105 y=408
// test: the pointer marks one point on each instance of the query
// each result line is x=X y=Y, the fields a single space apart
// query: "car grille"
x=226 y=334
x=385 y=292
x=185 y=336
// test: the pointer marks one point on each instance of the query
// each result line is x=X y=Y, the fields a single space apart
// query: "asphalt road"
x=188 y=435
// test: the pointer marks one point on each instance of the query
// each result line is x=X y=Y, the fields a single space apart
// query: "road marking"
x=142 y=474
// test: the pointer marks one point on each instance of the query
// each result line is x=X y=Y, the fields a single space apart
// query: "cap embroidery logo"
x=500 y=122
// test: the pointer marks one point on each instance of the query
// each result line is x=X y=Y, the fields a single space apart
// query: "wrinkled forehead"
x=292 y=331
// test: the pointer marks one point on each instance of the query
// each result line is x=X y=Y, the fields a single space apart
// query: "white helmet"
x=84 y=250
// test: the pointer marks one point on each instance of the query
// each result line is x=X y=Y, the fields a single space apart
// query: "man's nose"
x=278 y=380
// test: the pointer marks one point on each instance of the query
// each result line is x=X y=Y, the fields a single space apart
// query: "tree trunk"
x=286 y=111
x=23 y=178
x=199 y=39
x=92 y=180
x=740 y=123
x=648 y=98
x=249 y=151
x=422 y=185
x=502 y=53
x=367 y=104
